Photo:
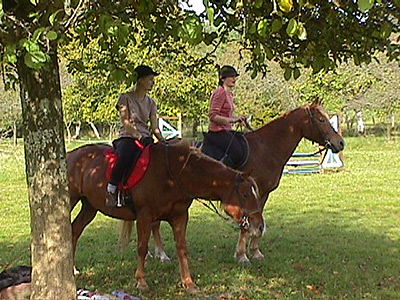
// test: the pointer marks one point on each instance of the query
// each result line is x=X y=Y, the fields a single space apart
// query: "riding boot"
x=111 y=199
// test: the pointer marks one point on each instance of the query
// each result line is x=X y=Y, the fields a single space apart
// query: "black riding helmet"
x=227 y=71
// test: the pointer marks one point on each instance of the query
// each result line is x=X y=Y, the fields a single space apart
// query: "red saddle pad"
x=138 y=171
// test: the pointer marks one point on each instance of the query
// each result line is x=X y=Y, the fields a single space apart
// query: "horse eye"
x=322 y=120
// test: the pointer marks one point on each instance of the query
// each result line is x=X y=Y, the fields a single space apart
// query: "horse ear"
x=317 y=101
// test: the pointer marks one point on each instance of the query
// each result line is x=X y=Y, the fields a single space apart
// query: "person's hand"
x=239 y=119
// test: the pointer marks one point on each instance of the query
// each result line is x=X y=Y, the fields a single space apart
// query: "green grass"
x=331 y=236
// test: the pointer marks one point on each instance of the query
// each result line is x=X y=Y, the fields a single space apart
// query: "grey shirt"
x=139 y=113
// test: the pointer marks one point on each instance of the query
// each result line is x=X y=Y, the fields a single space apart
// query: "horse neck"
x=278 y=139
x=212 y=180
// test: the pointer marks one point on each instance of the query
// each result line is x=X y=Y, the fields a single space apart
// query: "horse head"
x=244 y=205
x=320 y=129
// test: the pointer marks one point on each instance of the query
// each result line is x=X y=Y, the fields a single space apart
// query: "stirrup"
x=120 y=199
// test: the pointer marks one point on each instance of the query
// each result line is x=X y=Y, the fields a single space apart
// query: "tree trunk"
x=69 y=136
x=95 y=131
x=46 y=173
x=15 y=133
x=77 y=130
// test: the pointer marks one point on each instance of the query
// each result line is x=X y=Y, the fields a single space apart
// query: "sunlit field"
x=334 y=235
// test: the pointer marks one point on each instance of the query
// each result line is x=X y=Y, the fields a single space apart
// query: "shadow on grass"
x=304 y=258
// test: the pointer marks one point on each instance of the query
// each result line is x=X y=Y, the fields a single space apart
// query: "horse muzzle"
x=335 y=145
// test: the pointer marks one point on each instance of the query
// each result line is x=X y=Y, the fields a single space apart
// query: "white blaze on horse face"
x=253 y=190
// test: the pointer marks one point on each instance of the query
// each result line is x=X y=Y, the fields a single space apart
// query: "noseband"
x=244 y=220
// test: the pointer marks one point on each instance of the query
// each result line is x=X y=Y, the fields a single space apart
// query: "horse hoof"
x=258 y=255
x=142 y=286
x=165 y=259
x=243 y=259
x=192 y=288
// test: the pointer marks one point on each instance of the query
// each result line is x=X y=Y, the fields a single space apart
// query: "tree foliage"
x=316 y=34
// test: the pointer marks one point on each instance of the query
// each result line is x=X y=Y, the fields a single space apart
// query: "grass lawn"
x=331 y=236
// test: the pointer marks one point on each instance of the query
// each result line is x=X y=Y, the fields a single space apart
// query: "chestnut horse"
x=270 y=147
x=176 y=174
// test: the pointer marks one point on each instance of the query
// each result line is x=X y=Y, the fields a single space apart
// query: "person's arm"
x=220 y=120
x=217 y=101
x=129 y=125
x=154 y=128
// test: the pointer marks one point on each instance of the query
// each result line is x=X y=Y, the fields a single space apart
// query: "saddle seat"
x=209 y=149
x=138 y=171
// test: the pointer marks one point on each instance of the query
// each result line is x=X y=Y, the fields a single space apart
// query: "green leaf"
x=37 y=33
x=296 y=73
x=276 y=25
x=1 y=9
x=258 y=3
x=268 y=53
x=34 y=2
x=288 y=73
x=52 y=35
x=206 y=3
x=286 y=5
x=31 y=46
x=291 y=29
x=11 y=53
x=397 y=3
x=301 y=32
x=386 y=30
x=53 y=16
x=210 y=15
x=191 y=30
x=365 y=5
x=118 y=75
x=35 y=60
x=262 y=28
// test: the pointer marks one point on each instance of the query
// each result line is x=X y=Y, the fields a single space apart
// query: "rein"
x=245 y=217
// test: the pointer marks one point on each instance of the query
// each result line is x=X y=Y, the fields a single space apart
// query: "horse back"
x=79 y=163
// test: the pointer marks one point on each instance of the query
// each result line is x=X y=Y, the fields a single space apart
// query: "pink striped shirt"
x=221 y=104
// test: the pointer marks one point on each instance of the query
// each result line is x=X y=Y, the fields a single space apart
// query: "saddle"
x=137 y=172
x=209 y=149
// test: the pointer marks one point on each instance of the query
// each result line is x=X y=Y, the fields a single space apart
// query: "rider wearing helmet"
x=222 y=108
x=136 y=108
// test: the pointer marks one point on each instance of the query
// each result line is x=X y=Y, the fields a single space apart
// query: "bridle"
x=244 y=220
x=327 y=143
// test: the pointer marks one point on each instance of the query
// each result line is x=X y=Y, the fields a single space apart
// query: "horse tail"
x=125 y=233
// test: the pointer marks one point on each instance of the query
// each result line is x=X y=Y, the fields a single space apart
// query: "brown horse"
x=270 y=147
x=175 y=176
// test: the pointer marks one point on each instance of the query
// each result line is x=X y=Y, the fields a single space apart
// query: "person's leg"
x=213 y=146
x=235 y=151
x=230 y=148
x=125 y=149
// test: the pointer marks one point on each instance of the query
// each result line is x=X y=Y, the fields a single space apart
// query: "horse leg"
x=255 y=248
x=179 y=225
x=85 y=216
x=159 y=252
x=125 y=233
x=143 y=224
x=241 y=248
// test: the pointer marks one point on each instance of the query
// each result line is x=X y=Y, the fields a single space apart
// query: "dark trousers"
x=128 y=152
x=225 y=142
